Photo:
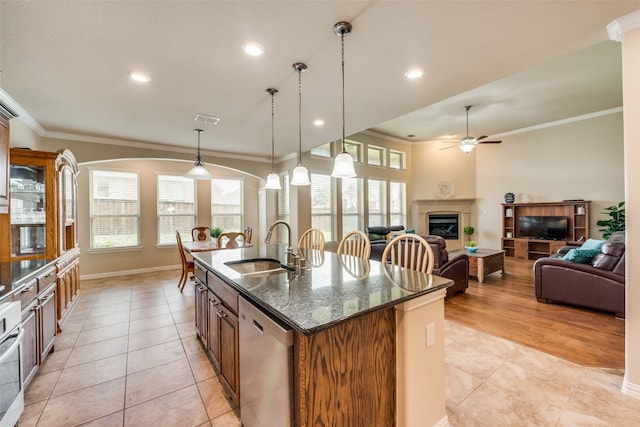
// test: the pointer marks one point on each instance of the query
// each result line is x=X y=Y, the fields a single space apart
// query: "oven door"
x=11 y=393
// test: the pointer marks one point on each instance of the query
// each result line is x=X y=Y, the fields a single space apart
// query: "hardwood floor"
x=505 y=306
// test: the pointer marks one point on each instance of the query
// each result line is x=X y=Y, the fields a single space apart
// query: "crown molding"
x=618 y=27
x=22 y=114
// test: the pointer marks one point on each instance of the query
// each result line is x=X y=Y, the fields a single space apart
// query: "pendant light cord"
x=198 y=159
x=273 y=92
x=300 y=115
x=344 y=150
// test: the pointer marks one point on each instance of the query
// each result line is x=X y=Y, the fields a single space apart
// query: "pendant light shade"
x=198 y=171
x=273 y=180
x=343 y=166
x=300 y=174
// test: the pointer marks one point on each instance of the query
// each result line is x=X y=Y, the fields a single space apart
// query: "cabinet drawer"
x=27 y=293
x=46 y=278
x=226 y=294
x=200 y=273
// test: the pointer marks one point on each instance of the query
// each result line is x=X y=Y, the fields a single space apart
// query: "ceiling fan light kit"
x=468 y=143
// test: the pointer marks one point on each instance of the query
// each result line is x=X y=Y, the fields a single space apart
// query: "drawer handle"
x=47 y=298
x=25 y=290
x=221 y=314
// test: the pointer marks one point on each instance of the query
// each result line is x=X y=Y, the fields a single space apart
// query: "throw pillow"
x=594 y=244
x=411 y=231
x=374 y=236
x=580 y=255
x=393 y=234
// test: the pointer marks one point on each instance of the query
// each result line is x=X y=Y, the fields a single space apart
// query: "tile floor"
x=128 y=356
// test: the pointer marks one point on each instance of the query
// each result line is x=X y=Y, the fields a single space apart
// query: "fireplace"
x=445 y=225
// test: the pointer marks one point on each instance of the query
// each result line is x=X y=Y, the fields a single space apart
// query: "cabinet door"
x=229 y=361
x=214 y=330
x=201 y=312
x=29 y=353
x=47 y=322
x=521 y=248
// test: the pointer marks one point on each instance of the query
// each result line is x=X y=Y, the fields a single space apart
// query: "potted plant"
x=615 y=221
x=471 y=245
x=215 y=232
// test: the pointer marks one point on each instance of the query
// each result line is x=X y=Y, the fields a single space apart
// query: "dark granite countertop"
x=332 y=289
x=14 y=274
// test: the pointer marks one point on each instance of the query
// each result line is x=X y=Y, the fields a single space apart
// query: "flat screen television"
x=543 y=227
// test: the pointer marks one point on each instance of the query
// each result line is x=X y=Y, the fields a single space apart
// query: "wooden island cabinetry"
x=515 y=245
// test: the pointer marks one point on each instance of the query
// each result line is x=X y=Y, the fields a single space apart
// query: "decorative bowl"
x=471 y=248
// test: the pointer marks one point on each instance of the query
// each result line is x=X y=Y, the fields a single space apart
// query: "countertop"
x=332 y=289
x=14 y=274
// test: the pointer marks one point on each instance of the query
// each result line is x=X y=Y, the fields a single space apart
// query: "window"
x=176 y=208
x=398 y=202
x=396 y=159
x=353 y=148
x=322 y=151
x=375 y=155
x=352 y=205
x=226 y=204
x=114 y=210
x=377 y=202
x=323 y=205
x=283 y=209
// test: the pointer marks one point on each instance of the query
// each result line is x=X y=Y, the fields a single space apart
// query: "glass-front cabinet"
x=67 y=170
x=32 y=205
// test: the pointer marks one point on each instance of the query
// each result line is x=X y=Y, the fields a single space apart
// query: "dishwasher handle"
x=258 y=326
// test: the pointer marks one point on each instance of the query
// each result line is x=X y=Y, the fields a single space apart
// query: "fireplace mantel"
x=462 y=207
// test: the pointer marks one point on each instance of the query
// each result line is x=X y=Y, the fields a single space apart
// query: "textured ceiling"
x=519 y=63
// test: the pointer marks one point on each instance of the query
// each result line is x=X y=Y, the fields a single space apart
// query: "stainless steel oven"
x=11 y=392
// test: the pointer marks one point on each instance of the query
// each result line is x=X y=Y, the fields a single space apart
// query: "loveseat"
x=593 y=279
x=455 y=268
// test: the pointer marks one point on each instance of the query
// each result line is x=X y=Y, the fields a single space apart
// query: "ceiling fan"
x=468 y=143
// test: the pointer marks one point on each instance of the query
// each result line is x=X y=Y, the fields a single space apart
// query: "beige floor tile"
x=156 y=300
x=201 y=366
x=157 y=355
x=41 y=387
x=101 y=334
x=98 y=350
x=155 y=382
x=458 y=385
x=101 y=310
x=66 y=340
x=55 y=361
x=152 y=337
x=149 y=323
x=216 y=401
x=92 y=373
x=114 y=420
x=186 y=329
x=155 y=310
x=84 y=405
x=192 y=345
x=31 y=414
x=177 y=409
x=230 y=419
x=182 y=316
x=106 y=320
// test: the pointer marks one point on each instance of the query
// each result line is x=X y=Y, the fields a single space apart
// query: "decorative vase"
x=509 y=198
x=471 y=248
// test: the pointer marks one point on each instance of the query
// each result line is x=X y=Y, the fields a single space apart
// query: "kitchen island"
x=368 y=344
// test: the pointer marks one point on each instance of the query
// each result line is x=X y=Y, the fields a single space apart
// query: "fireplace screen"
x=445 y=225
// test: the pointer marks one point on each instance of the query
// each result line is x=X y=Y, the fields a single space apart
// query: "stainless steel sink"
x=258 y=266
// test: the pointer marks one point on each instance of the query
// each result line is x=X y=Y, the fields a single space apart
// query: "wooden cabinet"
x=47 y=321
x=515 y=245
x=4 y=165
x=29 y=348
x=68 y=284
x=216 y=306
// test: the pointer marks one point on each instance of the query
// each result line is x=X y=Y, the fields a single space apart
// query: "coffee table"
x=483 y=262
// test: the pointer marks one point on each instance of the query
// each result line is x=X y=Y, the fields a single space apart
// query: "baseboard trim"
x=128 y=272
x=444 y=422
x=630 y=389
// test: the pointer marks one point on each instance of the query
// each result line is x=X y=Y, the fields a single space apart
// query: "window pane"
x=398 y=202
x=396 y=159
x=114 y=209
x=322 y=151
x=352 y=204
x=226 y=204
x=322 y=204
x=176 y=208
x=375 y=155
x=377 y=202
x=353 y=148
x=283 y=210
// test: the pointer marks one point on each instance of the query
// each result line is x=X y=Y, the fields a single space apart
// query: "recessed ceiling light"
x=318 y=122
x=414 y=73
x=253 y=49
x=139 y=77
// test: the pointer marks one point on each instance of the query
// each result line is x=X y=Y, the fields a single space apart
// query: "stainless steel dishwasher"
x=266 y=369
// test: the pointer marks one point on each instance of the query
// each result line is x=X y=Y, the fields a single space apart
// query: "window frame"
x=214 y=223
x=403 y=159
x=383 y=155
x=332 y=211
x=384 y=194
x=402 y=212
x=184 y=233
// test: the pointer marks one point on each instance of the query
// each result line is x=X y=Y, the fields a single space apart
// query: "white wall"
x=580 y=160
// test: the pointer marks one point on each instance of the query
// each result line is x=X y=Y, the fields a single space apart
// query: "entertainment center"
x=536 y=230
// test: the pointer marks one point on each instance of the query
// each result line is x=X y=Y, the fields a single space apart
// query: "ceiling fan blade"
x=489 y=142
x=446 y=148
x=481 y=137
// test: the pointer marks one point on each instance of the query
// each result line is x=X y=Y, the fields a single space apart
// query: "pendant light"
x=198 y=171
x=300 y=174
x=273 y=180
x=343 y=166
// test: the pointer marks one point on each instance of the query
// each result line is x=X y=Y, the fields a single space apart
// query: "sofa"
x=594 y=279
x=455 y=268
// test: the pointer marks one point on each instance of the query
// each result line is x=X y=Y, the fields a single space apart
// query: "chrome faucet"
x=291 y=255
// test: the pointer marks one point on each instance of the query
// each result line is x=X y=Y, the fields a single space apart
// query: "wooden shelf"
x=514 y=245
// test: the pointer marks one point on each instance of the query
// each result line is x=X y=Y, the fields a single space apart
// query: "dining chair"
x=409 y=251
x=313 y=238
x=187 y=265
x=248 y=233
x=200 y=233
x=355 y=243
x=231 y=240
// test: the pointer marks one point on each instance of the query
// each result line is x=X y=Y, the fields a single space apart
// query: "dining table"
x=207 y=245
